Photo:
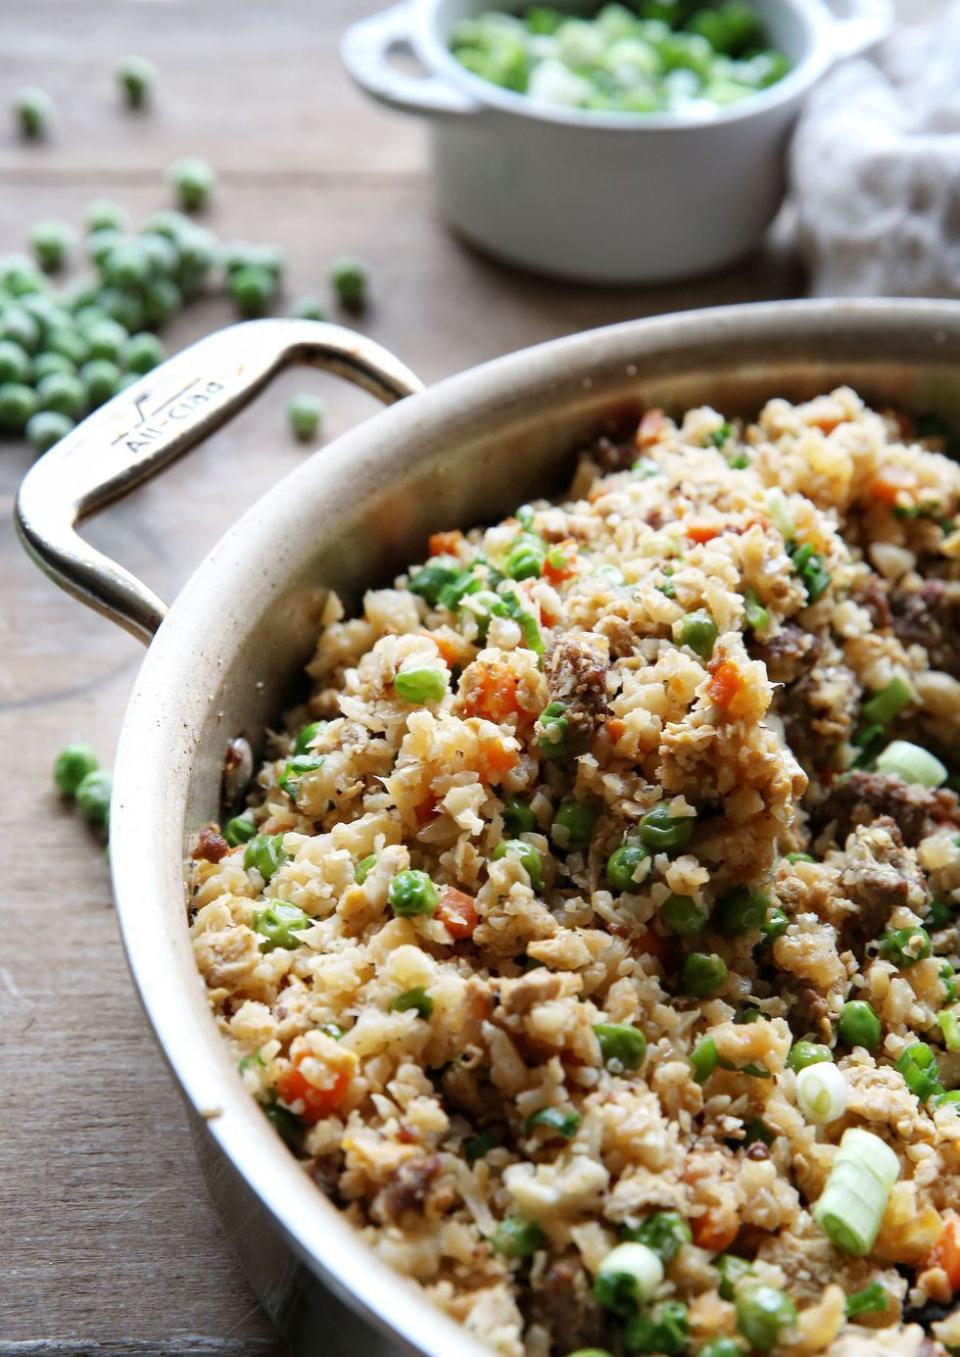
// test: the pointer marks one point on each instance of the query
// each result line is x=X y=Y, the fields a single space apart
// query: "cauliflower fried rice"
x=590 y=933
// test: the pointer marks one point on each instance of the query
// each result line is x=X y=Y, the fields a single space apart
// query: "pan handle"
x=153 y=422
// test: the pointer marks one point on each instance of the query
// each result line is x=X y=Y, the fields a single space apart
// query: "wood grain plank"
x=110 y=1245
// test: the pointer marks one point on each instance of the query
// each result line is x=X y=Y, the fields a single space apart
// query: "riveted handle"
x=152 y=423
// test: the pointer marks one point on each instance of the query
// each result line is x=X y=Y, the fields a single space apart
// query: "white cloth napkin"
x=875 y=165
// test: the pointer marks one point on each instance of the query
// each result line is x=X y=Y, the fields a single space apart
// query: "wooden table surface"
x=109 y=1244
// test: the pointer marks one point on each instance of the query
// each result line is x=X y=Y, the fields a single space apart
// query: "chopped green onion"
x=264 y=852
x=628 y=1278
x=805 y=1053
x=240 y=829
x=307 y=736
x=416 y=998
x=855 y=1197
x=888 y=702
x=947 y=975
x=809 y=566
x=295 y=769
x=516 y=1238
x=526 y=558
x=779 y=513
x=478 y=1147
x=622 y=1043
x=911 y=763
x=554 y=1119
x=872 y=1300
x=921 y=1073
x=432 y=578
x=722 y=1347
x=756 y=615
x=278 y=923
x=665 y=1232
x=822 y=1092
x=949 y=1024
x=704 y=1059
x=364 y=867
x=553 y=731
x=284 y=1122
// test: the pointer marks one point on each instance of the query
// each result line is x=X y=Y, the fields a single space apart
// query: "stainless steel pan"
x=223 y=657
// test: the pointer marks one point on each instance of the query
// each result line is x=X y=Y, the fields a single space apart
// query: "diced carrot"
x=615 y=728
x=887 y=485
x=496 y=761
x=701 y=532
x=946 y=1251
x=445 y=543
x=457 y=912
x=648 y=943
x=491 y=693
x=827 y=423
x=724 y=684
x=448 y=649
x=651 y=428
x=556 y=573
x=293 y=1087
x=715 y=1230
x=426 y=810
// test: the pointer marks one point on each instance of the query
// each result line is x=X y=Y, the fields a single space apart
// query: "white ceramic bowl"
x=603 y=197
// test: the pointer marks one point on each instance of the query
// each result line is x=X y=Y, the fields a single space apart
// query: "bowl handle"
x=366 y=49
x=865 y=22
x=149 y=425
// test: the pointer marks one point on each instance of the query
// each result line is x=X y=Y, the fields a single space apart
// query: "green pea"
x=69 y=343
x=622 y=1043
x=19 y=327
x=906 y=946
x=46 y=428
x=528 y=855
x=240 y=829
x=252 y=289
x=553 y=730
x=518 y=818
x=14 y=363
x=22 y=279
x=623 y=864
x=732 y=1269
x=722 y=1347
x=100 y=244
x=762 y=1312
x=305 y=416
x=425 y=683
x=662 y=832
x=516 y=1238
x=45 y=363
x=417 y=999
x=703 y=973
x=34 y=112
x=775 y=925
x=18 y=404
x=683 y=916
x=93 y=796
x=348 y=277
x=264 y=853
x=410 y=893
x=123 y=309
x=277 y=925
x=663 y=1331
x=308 y=736
x=308 y=308
x=804 y=1053
x=241 y=255
x=704 y=1059
x=741 y=910
x=699 y=631
x=859 y=1025
x=142 y=353
x=162 y=299
x=193 y=181
x=364 y=867
x=72 y=766
x=51 y=242
x=105 y=339
x=103 y=215
x=161 y=254
x=126 y=266
x=63 y=393
x=576 y=822
x=136 y=77
x=101 y=379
